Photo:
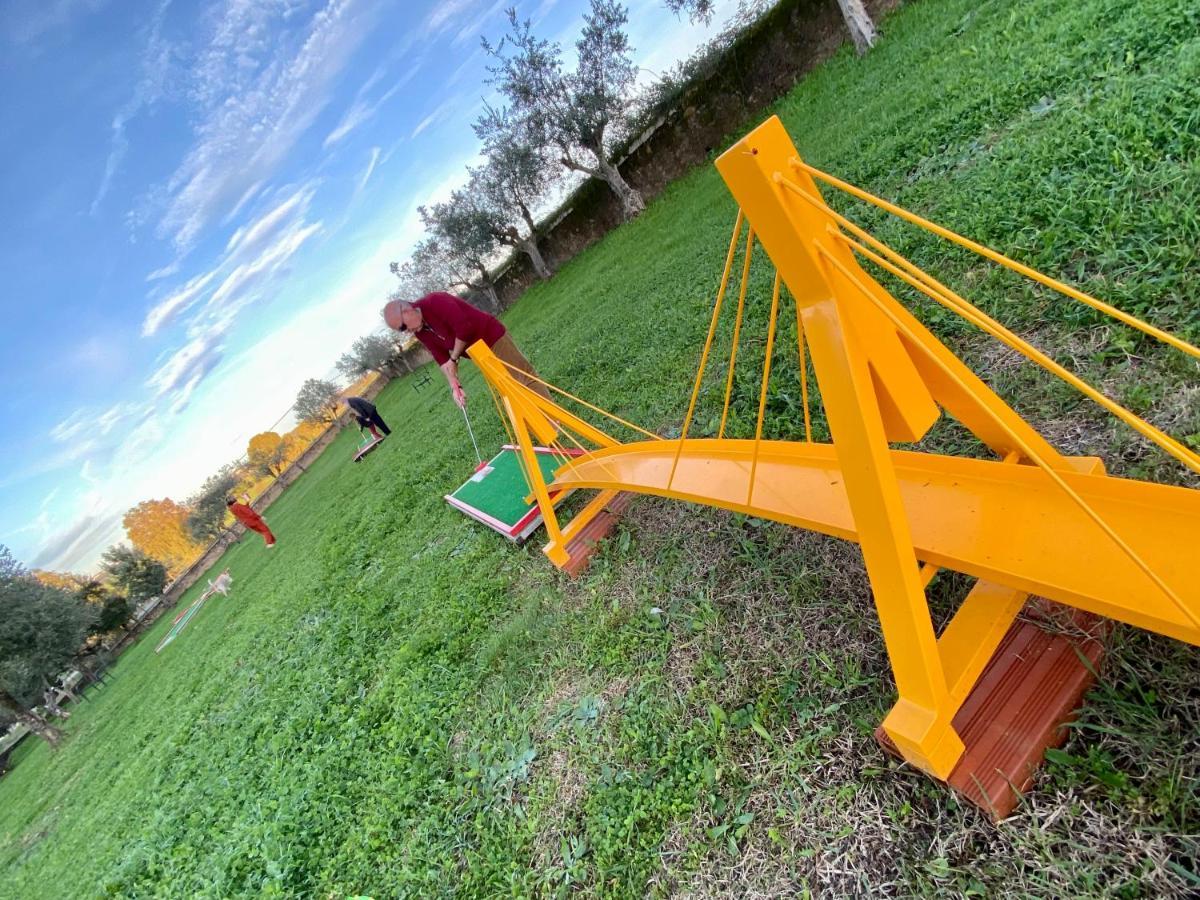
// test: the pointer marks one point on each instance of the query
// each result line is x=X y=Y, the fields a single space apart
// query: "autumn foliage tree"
x=266 y=453
x=159 y=529
x=64 y=581
x=303 y=435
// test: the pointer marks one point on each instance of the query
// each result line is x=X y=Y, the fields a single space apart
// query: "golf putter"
x=483 y=468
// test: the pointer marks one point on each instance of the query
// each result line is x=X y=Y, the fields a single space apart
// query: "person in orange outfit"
x=245 y=514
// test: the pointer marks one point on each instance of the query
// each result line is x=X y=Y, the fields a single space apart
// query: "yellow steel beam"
x=779 y=221
x=974 y=633
x=1002 y=523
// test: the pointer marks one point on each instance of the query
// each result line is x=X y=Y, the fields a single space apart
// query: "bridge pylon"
x=1030 y=522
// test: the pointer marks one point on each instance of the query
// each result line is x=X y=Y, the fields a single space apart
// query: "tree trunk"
x=862 y=29
x=528 y=217
x=529 y=247
x=31 y=720
x=489 y=289
x=631 y=201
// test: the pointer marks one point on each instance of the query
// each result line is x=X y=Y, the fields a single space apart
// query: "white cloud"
x=181 y=371
x=249 y=194
x=75 y=425
x=474 y=28
x=542 y=11
x=361 y=112
x=260 y=97
x=78 y=546
x=275 y=236
x=358 y=113
x=183 y=395
x=197 y=357
x=113 y=416
x=26 y=21
x=86 y=420
x=175 y=303
x=250 y=238
x=235 y=289
x=155 y=65
x=444 y=14
x=46 y=501
x=441 y=112
x=165 y=272
x=366 y=175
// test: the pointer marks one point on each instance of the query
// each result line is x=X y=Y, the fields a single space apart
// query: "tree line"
x=554 y=121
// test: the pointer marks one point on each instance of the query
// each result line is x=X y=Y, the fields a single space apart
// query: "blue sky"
x=202 y=199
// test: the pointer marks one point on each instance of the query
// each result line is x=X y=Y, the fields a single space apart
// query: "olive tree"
x=578 y=113
x=697 y=10
x=41 y=630
x=317 y=401
x=510 y=184
x=206 y=516
x=140 y=576
x=464 y=242
x=373 y=353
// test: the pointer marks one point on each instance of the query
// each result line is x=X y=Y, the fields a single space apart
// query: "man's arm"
x=450 y=370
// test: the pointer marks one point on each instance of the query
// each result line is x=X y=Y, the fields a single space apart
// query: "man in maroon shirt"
x=447 y=326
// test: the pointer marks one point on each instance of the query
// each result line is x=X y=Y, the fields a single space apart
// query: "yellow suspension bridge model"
x=1030 y=522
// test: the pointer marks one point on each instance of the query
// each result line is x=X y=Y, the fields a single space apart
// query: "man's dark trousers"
x=375 y=419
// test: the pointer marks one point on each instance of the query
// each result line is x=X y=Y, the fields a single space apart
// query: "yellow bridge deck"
x=997 y=521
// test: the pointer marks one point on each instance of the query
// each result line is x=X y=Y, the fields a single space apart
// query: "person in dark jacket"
x=367 y=416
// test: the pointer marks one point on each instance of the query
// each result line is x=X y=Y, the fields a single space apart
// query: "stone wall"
x=764 y=64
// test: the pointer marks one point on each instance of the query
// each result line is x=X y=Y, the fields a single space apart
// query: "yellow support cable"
x=712 y=330
x=803 y=372
x=982 y=321
x=508 y=432
x=737 y=329
x=945 y=296
x=762 y=396
x=1025 y=448
x=581 y=402
x=571 y=463
x=503 y=419
x=1001 y=259
x=560 y=453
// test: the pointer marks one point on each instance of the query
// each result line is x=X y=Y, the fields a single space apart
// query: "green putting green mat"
x=496 y=495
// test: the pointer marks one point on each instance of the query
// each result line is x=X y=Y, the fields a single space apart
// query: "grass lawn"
x=396 y=701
